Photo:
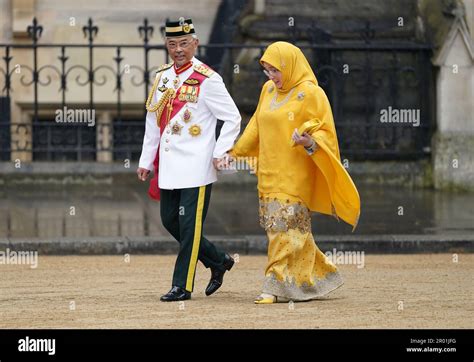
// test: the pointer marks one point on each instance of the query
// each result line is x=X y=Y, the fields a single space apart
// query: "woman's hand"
x=304 y=140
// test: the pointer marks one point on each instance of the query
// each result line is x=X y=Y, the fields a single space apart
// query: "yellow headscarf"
x=291 y=62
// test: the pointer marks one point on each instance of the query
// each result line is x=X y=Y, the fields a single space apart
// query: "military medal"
x=186 y=116
x=188 y=93
x=176 y=82
x=194 y=130
x=176 y=129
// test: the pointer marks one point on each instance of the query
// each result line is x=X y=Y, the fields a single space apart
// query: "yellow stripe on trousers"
x=196 y=240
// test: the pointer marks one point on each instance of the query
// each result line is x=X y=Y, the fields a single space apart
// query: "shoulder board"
x=203 y=69
x=164 y=67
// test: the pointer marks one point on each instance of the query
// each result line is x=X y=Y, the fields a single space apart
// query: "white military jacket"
x=188 y=145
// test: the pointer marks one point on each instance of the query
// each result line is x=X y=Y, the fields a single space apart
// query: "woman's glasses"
x=270 y=73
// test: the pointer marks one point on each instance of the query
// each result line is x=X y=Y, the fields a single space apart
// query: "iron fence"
x=361 y=78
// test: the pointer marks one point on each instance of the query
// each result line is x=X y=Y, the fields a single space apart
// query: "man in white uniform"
x=186 y=100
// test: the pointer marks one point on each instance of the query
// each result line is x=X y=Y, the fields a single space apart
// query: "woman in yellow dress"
x=292 y=138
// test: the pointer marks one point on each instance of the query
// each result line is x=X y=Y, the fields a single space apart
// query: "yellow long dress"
x=291 y=181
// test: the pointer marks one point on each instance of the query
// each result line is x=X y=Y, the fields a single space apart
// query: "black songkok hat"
x=179 y=28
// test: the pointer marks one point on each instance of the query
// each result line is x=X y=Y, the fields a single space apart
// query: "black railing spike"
x=7 y=57
x=146 y=31
x=35 y=30
x=63 y=87
x=118 y=60
x=7 y=73
x=90 y=30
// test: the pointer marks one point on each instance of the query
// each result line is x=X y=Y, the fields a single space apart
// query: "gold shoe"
x=262 y=300
x=271 y=300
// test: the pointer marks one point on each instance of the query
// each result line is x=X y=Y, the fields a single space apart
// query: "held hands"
x=222 y=163
x=142 y=173
x=304 y=140
x=219 y=164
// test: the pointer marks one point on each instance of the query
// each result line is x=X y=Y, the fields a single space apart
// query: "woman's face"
x=273 y=74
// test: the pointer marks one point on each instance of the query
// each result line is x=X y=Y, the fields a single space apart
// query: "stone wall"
x=453 y=143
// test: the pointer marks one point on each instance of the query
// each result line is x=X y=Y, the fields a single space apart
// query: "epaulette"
x=203 y=69
x=164 y=67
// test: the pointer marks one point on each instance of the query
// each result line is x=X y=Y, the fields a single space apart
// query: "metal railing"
x=380 y=74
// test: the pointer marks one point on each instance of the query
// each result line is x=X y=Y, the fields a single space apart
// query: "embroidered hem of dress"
x=277 y=216
x=288 y=289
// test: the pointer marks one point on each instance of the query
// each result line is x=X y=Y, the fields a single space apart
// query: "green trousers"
x=183 y=212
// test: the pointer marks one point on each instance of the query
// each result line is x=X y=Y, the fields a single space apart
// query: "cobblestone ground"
x=391 y=291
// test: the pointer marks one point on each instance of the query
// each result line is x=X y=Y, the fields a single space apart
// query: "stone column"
x=469 y=5
x=453 y=143
x=21 y=133
x=104 y=137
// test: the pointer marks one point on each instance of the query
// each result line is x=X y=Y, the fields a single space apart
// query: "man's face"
x=182 y=49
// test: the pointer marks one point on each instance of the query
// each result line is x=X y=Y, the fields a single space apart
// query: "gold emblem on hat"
x=186 y=28
x=187 y=115
x=194 y=130
x=176 y=129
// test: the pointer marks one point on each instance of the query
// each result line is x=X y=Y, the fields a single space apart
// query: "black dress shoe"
x=217 y=276
x=176 y=294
